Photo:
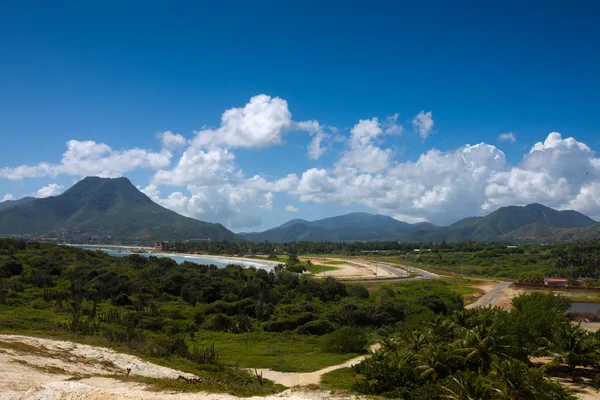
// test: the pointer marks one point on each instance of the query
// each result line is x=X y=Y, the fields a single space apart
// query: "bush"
x=318 y=327
x=359 y=291
x=346 y=340
x=217 y=322
x=434 y=303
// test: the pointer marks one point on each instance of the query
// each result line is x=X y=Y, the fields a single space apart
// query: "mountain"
x=11 y=203
x=348 y=227
x=106 y=207
x=534 y=221
x=531 y=223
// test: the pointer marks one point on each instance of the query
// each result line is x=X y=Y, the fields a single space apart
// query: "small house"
x=555 y=282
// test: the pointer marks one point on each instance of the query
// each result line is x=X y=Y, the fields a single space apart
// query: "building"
x=162 y=246
x=555 y=282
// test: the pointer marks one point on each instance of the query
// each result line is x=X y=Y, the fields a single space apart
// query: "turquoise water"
x=219 y=262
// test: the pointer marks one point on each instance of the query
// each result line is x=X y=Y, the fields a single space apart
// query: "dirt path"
x=498 y=294
x=291 y=379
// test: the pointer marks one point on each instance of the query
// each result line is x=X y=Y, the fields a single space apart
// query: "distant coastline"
x=245 y=261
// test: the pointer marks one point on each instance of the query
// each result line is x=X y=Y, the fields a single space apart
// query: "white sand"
x=22 y=378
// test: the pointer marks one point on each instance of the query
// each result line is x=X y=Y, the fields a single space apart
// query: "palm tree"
x=482 y=343
x=468 y=385
x=436 y=362
x=415 y=341
x=441 y=329
x=574 y=347
x=508 y=377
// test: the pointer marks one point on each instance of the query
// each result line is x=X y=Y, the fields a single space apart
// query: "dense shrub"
x=347 y=340
x=357 y=290
x=318 y=327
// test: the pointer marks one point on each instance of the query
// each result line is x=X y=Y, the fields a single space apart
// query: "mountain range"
x=107 y=208
x=533 y=222
x=116 y=209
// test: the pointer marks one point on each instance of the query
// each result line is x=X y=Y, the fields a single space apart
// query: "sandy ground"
x=40 y=369
x=307 y=378
x=354 y=269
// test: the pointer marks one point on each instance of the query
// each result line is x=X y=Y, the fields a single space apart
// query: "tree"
x=574 y=347
x=468 y=385
x=436 y=362
x=481 y=344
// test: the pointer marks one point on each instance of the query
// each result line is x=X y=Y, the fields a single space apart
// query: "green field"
x=277 y=351
x=317 y=269
x=340 y=379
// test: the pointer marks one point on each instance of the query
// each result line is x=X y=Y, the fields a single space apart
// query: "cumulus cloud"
x=8 y=196
x=52 y=189
x=423 y=123
x=199 y=167
x=231 y=205
x=291 y=208
x=316 y=147
x=363 y=152
x=84 y=158
x=440 y=186
x=260 y=123
x=172 y=141
x=507 y=137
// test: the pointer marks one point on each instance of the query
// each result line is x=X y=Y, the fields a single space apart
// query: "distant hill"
x=11 y=203
x=533 y=222
x=348 y=227
x=109 y=207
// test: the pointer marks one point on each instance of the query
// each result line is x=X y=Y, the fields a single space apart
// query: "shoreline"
x=265 y=263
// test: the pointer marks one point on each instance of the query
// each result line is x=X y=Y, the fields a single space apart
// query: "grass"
x=245 y=389
x=277 y=351
x=340 y=379
x=317 y=269
x=48 y=369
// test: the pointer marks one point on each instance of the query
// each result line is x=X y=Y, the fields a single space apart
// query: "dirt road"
x=492 y=297
x=306 y=378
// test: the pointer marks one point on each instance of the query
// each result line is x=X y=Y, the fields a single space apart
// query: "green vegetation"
x=105 y=208
x=198 y=318
x=483 y=353
x=319 y=269
x=340 y=379
x=286 y=352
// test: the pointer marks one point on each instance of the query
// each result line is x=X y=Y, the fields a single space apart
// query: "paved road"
x=402 y=272
x=398 y=274
x=491 y=297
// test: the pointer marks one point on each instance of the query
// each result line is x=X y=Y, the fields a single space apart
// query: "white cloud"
x=234 y=206
x=423 y=123
x=7 y=197
x=52 y=189
x=199 y=167
x=316 y=146
x=507 y=137
x=84 y=158
x=260 y=123
x=172 y=141
x=291 y=208
x=391 y=127
x=363 y=153
x=206 y=182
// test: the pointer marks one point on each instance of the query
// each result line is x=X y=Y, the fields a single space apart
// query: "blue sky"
x=96 y=86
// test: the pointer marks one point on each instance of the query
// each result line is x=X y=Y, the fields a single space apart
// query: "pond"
x=581 y=307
